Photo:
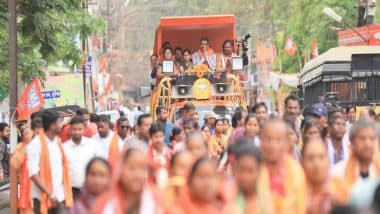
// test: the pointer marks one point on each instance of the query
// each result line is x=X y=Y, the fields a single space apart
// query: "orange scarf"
x=115 y=197
x=351 y=169
x=19 y=162
x=114 y=151
x=294 y=186
x=208 y=53
x=46 y=179
x=189 y=205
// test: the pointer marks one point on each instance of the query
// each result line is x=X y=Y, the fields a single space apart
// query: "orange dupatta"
x=187 y=204
x=115 y=199
x=46 y=179
x=114 y=151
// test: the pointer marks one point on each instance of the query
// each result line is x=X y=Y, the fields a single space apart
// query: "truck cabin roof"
x=186 y=32
x=335 y=64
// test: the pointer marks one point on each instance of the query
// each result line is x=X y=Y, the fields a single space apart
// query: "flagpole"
x=299 y=59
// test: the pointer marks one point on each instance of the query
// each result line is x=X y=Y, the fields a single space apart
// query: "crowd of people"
x=184 y=60
x=319 y=160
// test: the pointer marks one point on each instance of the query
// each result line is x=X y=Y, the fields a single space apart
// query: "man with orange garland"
x=280 y=174
x=205 y=55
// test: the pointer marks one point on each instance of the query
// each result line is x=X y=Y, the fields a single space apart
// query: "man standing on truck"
x=370 y=12
x=361 y=12
x=205 y=55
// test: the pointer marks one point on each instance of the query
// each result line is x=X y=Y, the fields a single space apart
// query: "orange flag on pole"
x=103 y=62
x=314 y=48
x=290 y=47
x=31 y=100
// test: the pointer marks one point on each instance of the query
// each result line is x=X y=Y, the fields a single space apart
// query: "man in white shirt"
x=364 y=162
x=205 y=55
x=50 y=190
x=337 y=148
x=370 y=11
x=104 y=137
x=130 y=111
x=123 y=131
x=142 y=136
x=79 y=151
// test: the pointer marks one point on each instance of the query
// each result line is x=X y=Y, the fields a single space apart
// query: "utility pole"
x=84 y=64
x=12 y=50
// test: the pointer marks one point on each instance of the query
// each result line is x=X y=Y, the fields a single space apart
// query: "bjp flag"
x=31 y=100
x=290 y=47
x=314 y=48
x=103 y=62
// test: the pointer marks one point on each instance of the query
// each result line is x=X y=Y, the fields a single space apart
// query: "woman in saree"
x=130 y=192
x=168 y=56
x=98 y=176
x=180 y=165
x=187 y=62
x=218 y=141
x=202 y=193
x=249 y=198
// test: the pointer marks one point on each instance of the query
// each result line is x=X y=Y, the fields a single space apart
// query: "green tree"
x=47 y=33
x=308 y=22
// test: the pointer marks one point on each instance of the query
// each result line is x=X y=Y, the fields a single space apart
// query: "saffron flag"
x=31 y=100
x=290 y=47
x=314 y=48
x=103 y=63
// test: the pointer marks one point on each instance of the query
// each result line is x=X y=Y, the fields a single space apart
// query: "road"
x=4 y=202
x=4 y=197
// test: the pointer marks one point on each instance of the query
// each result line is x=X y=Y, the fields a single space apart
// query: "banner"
x=287 y=79
x=31 y=100
x=63 y=90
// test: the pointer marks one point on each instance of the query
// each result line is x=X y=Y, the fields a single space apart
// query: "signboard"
x=51 y=94
x=89 y=65
x=88 y=68
x=237 y=63
x=62 y=90
x=167 y=66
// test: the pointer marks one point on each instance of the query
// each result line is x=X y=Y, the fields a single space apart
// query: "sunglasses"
x=125 y=127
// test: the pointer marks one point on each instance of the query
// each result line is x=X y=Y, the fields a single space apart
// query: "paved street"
x=4 y=202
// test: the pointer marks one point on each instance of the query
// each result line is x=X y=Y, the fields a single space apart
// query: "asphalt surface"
x=4 y=197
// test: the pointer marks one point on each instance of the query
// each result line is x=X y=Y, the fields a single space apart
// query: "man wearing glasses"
x=123 y=130
x=205 y=55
